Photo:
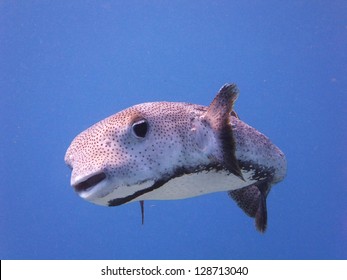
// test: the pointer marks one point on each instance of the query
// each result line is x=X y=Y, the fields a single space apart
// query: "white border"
x=263 y=269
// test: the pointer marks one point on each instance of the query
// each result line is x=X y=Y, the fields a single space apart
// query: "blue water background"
x=65 y=65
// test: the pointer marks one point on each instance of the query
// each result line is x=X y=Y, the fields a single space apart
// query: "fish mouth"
x=90 y=182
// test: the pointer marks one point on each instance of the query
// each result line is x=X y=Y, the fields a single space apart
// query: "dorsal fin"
x=224 y=101
x=234 y=114
x=218 y=116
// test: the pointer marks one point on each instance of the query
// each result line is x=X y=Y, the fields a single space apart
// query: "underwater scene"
x=193 y=179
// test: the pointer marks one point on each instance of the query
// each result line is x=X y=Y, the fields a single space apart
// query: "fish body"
x=174 y=150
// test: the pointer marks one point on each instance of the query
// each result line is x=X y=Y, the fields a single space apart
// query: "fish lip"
x=89 y=182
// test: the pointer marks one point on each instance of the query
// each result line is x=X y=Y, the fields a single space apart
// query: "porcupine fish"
x=174 y=150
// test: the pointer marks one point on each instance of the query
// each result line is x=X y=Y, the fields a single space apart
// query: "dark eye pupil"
x=140 y=128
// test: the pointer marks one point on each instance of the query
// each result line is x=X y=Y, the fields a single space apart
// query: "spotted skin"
x=168 y=150
x=115 y=149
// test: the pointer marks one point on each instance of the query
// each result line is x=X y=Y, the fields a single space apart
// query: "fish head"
x=135 y=150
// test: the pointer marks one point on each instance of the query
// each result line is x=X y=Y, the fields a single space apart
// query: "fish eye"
x=140 y=128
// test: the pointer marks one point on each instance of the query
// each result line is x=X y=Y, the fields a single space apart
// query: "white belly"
x=196 y=184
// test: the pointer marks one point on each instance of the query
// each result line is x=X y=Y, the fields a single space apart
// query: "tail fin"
x=252 y=200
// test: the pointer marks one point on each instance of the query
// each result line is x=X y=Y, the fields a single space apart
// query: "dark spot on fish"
x=260 y=172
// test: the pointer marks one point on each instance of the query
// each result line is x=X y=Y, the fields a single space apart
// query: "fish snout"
x=85 y=183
